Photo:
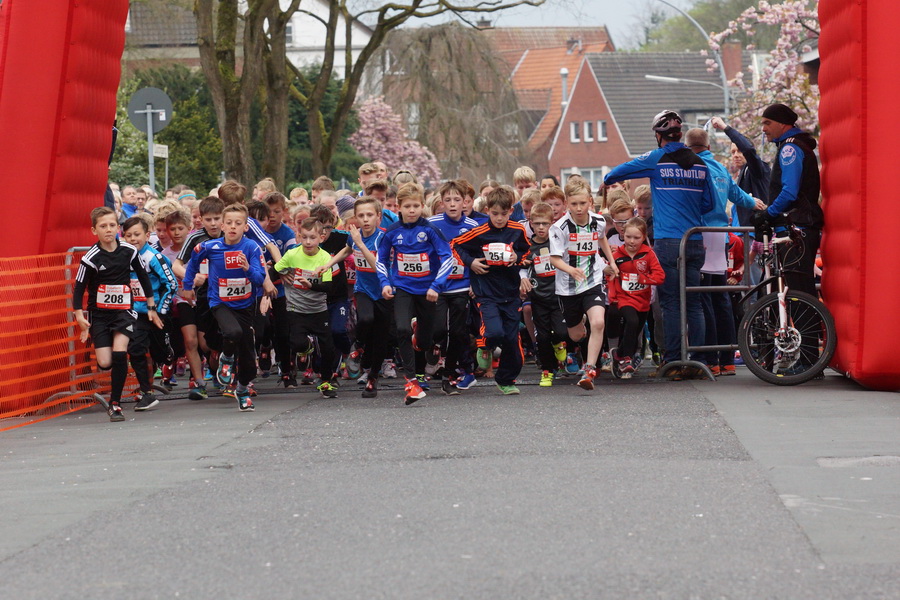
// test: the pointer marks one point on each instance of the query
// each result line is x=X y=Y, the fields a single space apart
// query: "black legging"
x=236 y=325
x=625 y=323
x=407 y=306
x=373 y=319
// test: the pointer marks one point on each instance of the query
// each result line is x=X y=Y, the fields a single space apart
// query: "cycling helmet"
x=667 y=121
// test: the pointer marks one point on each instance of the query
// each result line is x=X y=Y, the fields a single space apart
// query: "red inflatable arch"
x=859 y=89
x=59 y=70
x=60 y=64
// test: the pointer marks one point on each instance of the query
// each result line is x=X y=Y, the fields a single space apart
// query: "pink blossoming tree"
x=782 y=78
x=382 y=136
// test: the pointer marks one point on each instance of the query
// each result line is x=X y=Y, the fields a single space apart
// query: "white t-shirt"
x=579 y=246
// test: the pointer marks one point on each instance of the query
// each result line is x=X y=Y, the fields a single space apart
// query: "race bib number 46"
x=543 y=267
x=114 y=297
x=413 y=265
x=234 y=288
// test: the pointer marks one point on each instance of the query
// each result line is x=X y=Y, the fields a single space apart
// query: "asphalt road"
x=639 y=489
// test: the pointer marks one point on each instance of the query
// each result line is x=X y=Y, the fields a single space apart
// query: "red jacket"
x=735 y=257
x=636 y=275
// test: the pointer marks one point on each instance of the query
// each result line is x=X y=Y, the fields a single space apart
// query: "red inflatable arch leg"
x=60 y=64
x=858 y=112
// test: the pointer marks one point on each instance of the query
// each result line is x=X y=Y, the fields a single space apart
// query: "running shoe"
x=230 y=390
x=508 y=390
x=308 y=377
x=225 y=372
x=288 y=382
x=115 y=412
x=587 y=379
x=546 y=379
x=388 y=370
x=466 y=381
x=328 y=389
x=245 y=403
x=605 y=362
x=180 y=366
x=559 y=351
x=413 y=391
x=572 y=363
x=146 y=402
x=363 y=378
x=371 y=388
x=449 y=387
x=265 y=361
x=727 y=370
x=423 y=382
x=353 y=363
x=198 y=393
x=626 y=366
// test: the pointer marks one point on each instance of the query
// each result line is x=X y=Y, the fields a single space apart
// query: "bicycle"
x=786 y=337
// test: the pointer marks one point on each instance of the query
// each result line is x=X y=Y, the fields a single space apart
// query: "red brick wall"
x=586 y=103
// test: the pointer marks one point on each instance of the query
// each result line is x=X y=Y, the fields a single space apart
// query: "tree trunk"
x=275 y=132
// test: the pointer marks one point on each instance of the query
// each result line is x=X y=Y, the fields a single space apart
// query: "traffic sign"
x=159 y=105
x=160 y=151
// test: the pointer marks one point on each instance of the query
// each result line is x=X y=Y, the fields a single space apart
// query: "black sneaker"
x=115 y=412
x=328 y=389
x=371 y=390
x=288 y=382
x=449 y=388
x=146 y=402
x=265 y=360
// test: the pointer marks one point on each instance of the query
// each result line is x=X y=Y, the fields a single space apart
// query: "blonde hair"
x=621 y=205
x=266 y=185
x=530 y=197
x=410 y=191
x=642 y=194
x=163 y=208
x=299 y=192
x=524 y=174
x=576 y=186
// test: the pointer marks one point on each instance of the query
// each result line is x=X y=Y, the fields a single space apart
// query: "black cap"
x=780 y=114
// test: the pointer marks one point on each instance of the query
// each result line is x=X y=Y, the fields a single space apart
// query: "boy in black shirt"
x=539 y=282
x=105 y=272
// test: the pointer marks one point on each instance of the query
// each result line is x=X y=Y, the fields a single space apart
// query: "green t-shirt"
x=300 y=299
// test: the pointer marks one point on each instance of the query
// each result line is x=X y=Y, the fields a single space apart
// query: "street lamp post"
x=716 y=54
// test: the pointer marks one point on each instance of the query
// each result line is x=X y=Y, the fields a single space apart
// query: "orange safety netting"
x=45 y=371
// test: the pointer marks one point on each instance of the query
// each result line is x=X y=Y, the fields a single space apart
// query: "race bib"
x=204 y=267
x=360 y=262
x=137 y=292
x=583 y=244
x=413 y=265
x=306 y=274
x=729 y=262
x=630 y=283
x=114 y=297
x=498 y=254
x=543 y=267
x=234 y=288
x=458 y=270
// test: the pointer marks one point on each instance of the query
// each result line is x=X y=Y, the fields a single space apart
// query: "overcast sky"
x=620 y=16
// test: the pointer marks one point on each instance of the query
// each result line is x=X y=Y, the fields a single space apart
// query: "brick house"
x=606 y=116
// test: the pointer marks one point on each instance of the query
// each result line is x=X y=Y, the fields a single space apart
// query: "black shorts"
x=185 y=314
x=150 y=337
x=106 y=322
x=574 y=308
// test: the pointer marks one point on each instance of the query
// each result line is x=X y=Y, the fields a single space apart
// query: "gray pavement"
x=640 y=489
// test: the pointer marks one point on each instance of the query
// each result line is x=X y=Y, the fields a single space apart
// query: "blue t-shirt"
x=366 y=275
x=285 y=239
x=229 y=283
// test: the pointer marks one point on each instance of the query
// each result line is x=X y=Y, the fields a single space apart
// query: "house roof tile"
x=539 y=87
x=634 y=99
x=161 y=25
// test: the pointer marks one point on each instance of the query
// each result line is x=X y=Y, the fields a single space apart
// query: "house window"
x=574 y=132
x=601 y=131
x=588 y=131
x=289 y=33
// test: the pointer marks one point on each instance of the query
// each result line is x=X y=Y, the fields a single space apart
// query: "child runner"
x=630 y=291
x=451 y=327
x=235 y=269
x=578 y=247
x=146 y=335
x=373 y=312
x=539 y=282
x=105 y=272
x=307 y=302
x=414 y=261
x=493 y=252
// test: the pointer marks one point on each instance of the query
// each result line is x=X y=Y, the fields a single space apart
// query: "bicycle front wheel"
x=791 y=355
